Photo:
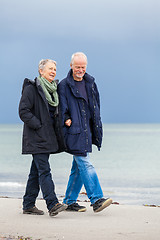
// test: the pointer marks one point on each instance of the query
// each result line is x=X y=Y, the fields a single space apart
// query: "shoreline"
x=86 y=201
x=117 y=222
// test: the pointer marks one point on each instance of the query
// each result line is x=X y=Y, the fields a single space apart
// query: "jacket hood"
x=27 y=82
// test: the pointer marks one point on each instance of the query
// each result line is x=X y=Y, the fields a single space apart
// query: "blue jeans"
x=82 y=172
x=40 y=177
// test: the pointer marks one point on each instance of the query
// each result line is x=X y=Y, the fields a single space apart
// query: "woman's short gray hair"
x=77 y=54
x=43 y=62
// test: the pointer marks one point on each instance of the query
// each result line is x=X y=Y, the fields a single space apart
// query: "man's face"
x=79 y=67
x=49 y=71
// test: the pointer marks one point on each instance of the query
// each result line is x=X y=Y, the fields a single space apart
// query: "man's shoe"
x=102 y=203
x=56 y=209
x=76 y=208
x=33 y=211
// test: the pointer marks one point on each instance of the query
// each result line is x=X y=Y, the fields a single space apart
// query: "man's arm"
x=64 y=105
x=97 y=95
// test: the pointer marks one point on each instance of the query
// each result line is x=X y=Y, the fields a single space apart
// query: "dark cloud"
x=121 y=39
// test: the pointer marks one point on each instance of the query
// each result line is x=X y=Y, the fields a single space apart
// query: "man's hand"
x=68 y=122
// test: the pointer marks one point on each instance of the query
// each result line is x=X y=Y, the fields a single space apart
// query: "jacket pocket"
x=73 y=139
x=74 y=130
x=40 y=134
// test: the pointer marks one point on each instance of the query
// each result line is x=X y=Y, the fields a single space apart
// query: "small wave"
x=10 y=184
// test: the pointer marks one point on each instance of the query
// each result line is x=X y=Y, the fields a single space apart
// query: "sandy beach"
x=117 y=222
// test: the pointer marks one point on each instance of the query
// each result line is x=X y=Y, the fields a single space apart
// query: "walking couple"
x=61 y=117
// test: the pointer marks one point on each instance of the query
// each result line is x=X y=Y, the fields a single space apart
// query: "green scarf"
x=49 y=88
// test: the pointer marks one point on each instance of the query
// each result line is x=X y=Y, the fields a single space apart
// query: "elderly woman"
x=42 y=135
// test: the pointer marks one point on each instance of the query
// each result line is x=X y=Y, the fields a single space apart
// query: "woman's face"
x=49 y=71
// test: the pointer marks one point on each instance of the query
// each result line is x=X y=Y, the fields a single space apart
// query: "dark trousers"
x=40 y=177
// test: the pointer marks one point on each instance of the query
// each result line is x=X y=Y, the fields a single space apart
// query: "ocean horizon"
x=127 y=166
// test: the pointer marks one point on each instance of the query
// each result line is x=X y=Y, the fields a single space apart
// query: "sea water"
x=128 y=165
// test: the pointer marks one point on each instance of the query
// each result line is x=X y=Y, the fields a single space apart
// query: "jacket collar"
x=40 y=90
x=70 y=81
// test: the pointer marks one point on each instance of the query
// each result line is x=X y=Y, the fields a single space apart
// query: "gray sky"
x=120 y=37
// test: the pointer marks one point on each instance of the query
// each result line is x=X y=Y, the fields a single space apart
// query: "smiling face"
x=49 y=71
x=79 y=67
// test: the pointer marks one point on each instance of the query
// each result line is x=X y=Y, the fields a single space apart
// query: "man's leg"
x=74 y=185
x=90 y=178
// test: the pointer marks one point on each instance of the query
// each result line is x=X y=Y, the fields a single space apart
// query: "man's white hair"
x=43 y=62
x=78 y=54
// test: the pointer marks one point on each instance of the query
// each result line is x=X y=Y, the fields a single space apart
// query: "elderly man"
x=80 y=106
x=39 y=111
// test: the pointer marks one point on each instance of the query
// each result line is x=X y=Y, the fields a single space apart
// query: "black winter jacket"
x=39 y=134
x=86 y=127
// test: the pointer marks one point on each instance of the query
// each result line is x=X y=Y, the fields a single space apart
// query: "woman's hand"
x=68 y=122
